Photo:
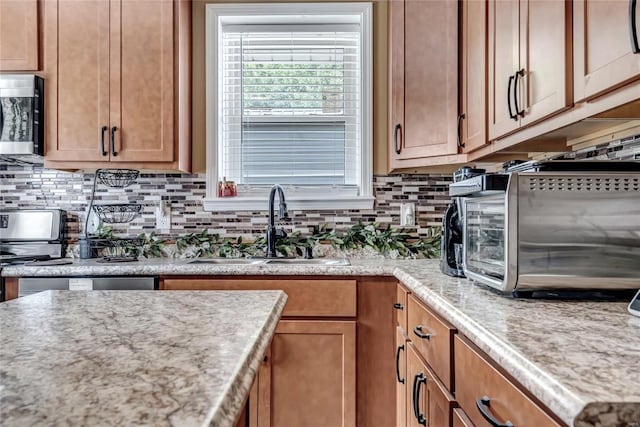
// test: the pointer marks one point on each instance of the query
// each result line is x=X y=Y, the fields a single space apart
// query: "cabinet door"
x=503 y=61
x=313 y=366
x=424 y=78
x=19 y=35
x=473 y=112
x=603 y=55
x=76 y=65
x=401 y=378
x=142 y=76
x=545 y=57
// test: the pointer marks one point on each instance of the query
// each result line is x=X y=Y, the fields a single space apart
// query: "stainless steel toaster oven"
x=550 y=230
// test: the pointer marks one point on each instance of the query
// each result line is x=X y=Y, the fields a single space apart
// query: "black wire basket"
x=117 y=213
x=117 y=178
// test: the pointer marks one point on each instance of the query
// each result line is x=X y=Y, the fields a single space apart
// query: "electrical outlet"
x=407 y=214
x=163 y=216
x=94 y=222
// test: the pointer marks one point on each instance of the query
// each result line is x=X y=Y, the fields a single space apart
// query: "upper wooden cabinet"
x=530 y=52
x=472 y=120
x=116 y=92
x=19 y=35
x=423 y=50
x=606 y=51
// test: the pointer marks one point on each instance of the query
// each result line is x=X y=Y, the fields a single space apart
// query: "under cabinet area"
x=116 y=93
x=323 y=365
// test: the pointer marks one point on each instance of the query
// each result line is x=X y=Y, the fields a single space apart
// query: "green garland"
x=382 y=239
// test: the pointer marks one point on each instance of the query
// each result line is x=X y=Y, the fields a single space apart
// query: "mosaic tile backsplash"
x=25 y=186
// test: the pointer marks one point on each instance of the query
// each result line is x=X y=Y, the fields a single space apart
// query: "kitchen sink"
x=272 y=261
x=313 y=261
x=228 y=261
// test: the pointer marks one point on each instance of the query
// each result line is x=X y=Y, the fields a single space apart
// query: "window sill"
x=222 y=204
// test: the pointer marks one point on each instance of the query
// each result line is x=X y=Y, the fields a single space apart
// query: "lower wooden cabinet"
x=313 y=374
x=428 y=401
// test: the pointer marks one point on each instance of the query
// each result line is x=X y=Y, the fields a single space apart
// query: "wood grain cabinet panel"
x=76 y=62
x=428 y=401
x=423 y=39
x=118 y=91
x=311 y=298
x=482 y=380
x=19 y=35
x=460 y=419
x=472 y=121
x=313 y=374
x=432 y=338
x=530 y=62
x=604 y=57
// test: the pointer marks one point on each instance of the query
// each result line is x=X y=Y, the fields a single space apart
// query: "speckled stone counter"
x=132 y=357
x=580 y=359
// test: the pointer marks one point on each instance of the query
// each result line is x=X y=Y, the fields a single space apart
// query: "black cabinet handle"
x=483 y=404
x=511 y=115
x=398 y=350
x=460 y=117
x=113 y=141
x=633 y=26
x=398 y=306
x=418 y=381
x=519 y=73
x=102 y=131
x=396 y=145
x=420 y=333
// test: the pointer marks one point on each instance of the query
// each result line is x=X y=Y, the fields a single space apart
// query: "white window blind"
x=290 y=103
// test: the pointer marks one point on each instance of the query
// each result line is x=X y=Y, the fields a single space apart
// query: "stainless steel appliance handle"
x=633 y=26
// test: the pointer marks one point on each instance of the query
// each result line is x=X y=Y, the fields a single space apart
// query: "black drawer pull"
x=396 y=141
x=633 y=26
x=511 y=115
x=398 y=306
x=418 y=380
x=483 y=404
x=418 y=330
x=400 y=348
x=460 y=117
x=519 y=73
x=113 y=141
x=102 y=131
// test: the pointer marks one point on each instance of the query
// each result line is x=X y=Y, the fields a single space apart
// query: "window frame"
x=299 y=198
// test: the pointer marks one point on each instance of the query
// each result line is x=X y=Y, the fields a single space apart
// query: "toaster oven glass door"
x=485 y=236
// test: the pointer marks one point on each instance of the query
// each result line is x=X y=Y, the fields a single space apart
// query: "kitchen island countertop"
x=132 y=357
x=579 y=358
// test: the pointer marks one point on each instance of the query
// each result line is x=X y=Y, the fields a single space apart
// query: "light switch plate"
x=407 y=214
x=163 y=216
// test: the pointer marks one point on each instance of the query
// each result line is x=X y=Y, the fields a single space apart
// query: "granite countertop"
x=132 y=357
x=580 y=359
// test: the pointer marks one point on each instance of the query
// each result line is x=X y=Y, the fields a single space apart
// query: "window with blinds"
x=290 y=104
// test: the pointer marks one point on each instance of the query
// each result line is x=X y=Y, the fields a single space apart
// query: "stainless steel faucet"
x=274 y=234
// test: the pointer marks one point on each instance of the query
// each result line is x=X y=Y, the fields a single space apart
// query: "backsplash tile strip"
x=35 y=187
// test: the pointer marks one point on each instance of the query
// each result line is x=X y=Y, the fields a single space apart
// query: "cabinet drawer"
x=400 y=307
x=313 y=298
x=432 y=338
x=480 y=380
x=460 y=419
x=428 y=402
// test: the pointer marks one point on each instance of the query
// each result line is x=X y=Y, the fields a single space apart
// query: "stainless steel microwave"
x=555 y=230
x=21 y=115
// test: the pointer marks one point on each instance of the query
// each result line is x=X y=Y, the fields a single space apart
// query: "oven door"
x=485 y=240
